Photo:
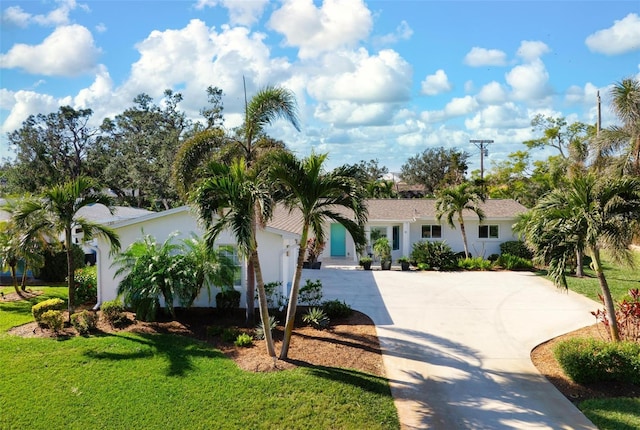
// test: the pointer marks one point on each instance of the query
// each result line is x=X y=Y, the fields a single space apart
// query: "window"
x=431 y=231
x=396 y=237
x=488 y=232
x=231 y=252
x=377 y=233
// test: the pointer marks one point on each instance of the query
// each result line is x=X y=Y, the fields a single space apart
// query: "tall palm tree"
x=232 y=197
x=623 y=140
x=304 y=186
x=57 y=210
x=249 y=143
x=454 y=201
x=590 y=213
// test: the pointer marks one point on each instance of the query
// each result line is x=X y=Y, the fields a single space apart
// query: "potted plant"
x=314 y=249
x=365 y=262
x=404 y=262
x=382 y=249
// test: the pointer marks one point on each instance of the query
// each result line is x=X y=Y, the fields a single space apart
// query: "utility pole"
x=482 y=145
x=599 y=120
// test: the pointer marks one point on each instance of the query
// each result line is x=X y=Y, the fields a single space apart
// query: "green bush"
x=85 y=322
x=228 y=300
x=593 y=360
x=243 y=340
x=310 y=293
x=513 y=262
x=46 y=305
x=229 y=335
x=317 y=318
x=86 y=280
x=517 y=248
x=273 y=323
x=113 y=312
x=336 y=309
x=52 y=319
x=474 y=263
x=275 y=299
x=55 y=264
x=437 y=255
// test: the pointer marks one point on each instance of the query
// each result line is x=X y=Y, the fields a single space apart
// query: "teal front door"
x=338 y=240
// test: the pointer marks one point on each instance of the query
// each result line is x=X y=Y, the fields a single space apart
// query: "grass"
x=158 y=381
x=621 y=413
x=16 y=313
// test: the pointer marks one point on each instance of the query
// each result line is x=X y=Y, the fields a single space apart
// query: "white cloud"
x=532 y=50
x=335 y=24
x=68 y=51
x=529 y=82
x=57 y=17
x=435 y=84
x=402 y=32
x=479 y=57
x=15 y=15
x=100 y=89
x=622 y=37
x=458 y=106
x=342 y=113
x=508 y=115
x=244 y=13
x=493 y=93
x=25 y=103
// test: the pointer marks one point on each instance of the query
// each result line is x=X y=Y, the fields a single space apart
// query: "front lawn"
x=126 y=380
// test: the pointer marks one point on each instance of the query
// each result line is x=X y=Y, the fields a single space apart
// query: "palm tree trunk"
x=262 y=301
x=250 y=318
x=606 y=294
x=464 y=236
x=14 y=278
x=70 y=281
x=293 y=296
x=579 y=259
x=23 y=283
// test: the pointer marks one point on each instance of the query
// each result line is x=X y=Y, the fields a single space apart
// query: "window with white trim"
x=231 y=252
x=431 y=231
x=488 y=232
x=395 y=237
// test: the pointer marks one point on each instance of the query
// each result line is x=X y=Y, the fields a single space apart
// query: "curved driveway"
x=456 y=346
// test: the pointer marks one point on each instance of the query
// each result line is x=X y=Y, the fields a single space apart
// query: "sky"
x=378 y=80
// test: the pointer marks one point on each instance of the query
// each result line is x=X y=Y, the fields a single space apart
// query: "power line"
x=482 y=144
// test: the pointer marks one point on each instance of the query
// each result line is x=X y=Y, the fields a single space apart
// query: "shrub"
x=46 y=305
x=260 y=329
x=474 y=263
x=513 y=262
x=493 y=257
x=517 y=248
x=275 y=299
x=229 y=335
x=437 y=255
x=243 y=340
x=592 y=360
x=85 y=322
x=214 y=330
x=113 y=312
x=423 y=266
x=55 y=264
x=311 y=293
x=86 y=280
x=228 y=300
x=336 y=309
x=627 y=316
x=52 y=319
x=317 y=318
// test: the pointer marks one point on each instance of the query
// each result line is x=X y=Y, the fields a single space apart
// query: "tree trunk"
x=14 y=278
x=606 y=294
x=262 y=301
x=70 y=281
x=250 y=319
x=464 y=236
x=293 y=296
x=23 y=283
x=579 y=260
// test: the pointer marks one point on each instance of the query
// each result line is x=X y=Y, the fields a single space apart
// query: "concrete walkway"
x=456 y=346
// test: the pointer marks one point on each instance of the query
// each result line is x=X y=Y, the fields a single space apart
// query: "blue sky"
x=374 y=80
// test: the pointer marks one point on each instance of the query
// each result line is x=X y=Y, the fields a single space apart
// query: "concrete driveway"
x=456 y=346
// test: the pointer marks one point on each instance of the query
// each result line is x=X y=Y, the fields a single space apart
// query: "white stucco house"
x=403 y=221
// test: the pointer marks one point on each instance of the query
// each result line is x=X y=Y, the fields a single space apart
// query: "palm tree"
x=250 y=142
x=304 y=186
x=454 y=201
x=57 y=210
x=232 y=197
x=592 y=214
x=623 y=139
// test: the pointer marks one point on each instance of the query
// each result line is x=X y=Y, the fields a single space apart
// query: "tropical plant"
x=591 y=213
x=317 y=318
x=454 y=201
x=273 y=323
x=437 y=255
x=319 y=196
x=233 y=198
x=57 y=209
x=311 y=293
x=382 y=249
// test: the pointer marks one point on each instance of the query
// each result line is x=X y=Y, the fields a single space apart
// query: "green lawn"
x=126 y=381
x=621 y=413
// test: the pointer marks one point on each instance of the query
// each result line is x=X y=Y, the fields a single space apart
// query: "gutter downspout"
x=94 y=246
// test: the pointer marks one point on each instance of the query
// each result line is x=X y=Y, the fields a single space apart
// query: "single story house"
x=403 y=221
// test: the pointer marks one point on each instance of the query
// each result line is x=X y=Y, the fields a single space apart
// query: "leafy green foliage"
x=52 y=319
x=86 y=280
x=587 y=360
x=336 y=309
x=382 y=248
x=474 y=263
x=513 y=262
x=437 y=255
x=228 y=300
x=113 y=312
x=46 y=305
x=243 y=340
x=85 y=322
x=435 y=167
x=516 y=248
x=311 y=293
x=317 y=318
x=55 y=264
x=627 y=315
x=229 y=335
x=273 y=323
